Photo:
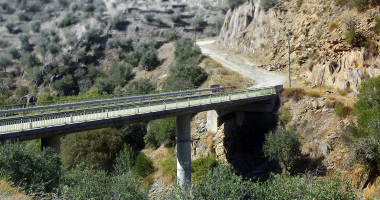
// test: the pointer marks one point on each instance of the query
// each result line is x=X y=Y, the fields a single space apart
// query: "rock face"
x=317 y=48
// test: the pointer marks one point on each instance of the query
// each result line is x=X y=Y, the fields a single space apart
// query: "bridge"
x=48 y=123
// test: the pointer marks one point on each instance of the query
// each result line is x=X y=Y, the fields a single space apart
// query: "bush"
x=144 y=55
x=125 y=160
x=116 y=20
x=91 y=34
x=10 y=26
x=55 y=39
x=161 y=132
x=96 y=147
x=71 y=38
x=21 y=14
x=140 y=86
x=176 y=18
x=29 y=60
x=171 y=36
x=74 y=6
x=143 y=165
x=169 y=164
x=361 y=5
x=105 y=85
x=64 y=58
x=334 y=25
x=284 y=116
x=209 y=32
x=198 y=21
x=184 y=49
x=376 y=29
x=283 y=146
x=134 y=134
x=149 y=59
x=80 y=54
x=34 y=75
x=21 y=91
x=114 y=42
x=49 y=10
x=35 y=26
x=13 y=52
x=66 y=21
x=352 y=36
x=5 y=62
x=47 y=99
x=121 y=73
x=53 y=48
x=89 y=8
x=24 y=39
x=200 y=166
x=341 y=110
x=26 y=166
x=65 y=86
x=267 y=4
x=84 y=85
x=149 y=17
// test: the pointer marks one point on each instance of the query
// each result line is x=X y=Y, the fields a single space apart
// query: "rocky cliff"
x=317 y=40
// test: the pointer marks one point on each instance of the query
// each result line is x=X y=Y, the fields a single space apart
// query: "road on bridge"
x=261 y=77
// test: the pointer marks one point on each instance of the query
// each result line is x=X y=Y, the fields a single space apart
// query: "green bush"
x=209 y=32
x=34 y=75
x=21 y=14
x=171 y=36
x=361 y=5
x=376 y=29
x=144 y=55
x=10 y=26
x=86 y=183
x=176 y=18
x=90 y=35
x=96 y=147
x=53 y=48
x=89 y=8
x=105 y=85
x=284 y=116
x=185 y=49
x=121 y=73
x=149 y=17
x=169 y=164
x=67 y=21
x=35 y=26
x=143 y=165
x=26 y=166
x=116 y=20
x=5 y=62
x=161 y=132
x=29 y=60
x=65 y=86
x=200 y=166
x=64 y=58
x=149 y=59
x=24 y=39
x=267 y=4
x=133 y=134
x=125 y=160
x=47 y=99
x=114 y=42
x=352 y=36
x=283 y=146
x=341 y=110
x=13 y=52
x=21 y=91
x=140 y=86
x=84 y=85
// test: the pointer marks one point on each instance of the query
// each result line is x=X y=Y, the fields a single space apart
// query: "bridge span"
x=50 y=122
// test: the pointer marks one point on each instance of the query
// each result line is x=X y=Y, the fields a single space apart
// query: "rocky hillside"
x=317 y=40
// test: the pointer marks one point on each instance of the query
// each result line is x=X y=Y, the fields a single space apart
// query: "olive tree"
x=35 y=26
x=5 y=62
x=10 y=26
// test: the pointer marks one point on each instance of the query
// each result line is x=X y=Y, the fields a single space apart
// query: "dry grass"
x=344 y=92
x=224 y=71
x=314 y=93
x=294 y=93
x=330 y=103
x=9 y=192
x=210 y=141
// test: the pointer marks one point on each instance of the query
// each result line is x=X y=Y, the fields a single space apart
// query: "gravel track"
x=261 y=77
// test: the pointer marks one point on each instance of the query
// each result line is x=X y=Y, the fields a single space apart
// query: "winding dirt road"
x=261 y=77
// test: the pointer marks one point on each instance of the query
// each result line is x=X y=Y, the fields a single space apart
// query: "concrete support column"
x=183 y=150
x=240 y=117
x=212 y=121
x=53 y=142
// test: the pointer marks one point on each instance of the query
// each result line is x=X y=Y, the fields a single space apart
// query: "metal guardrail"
x=88 y=103
x=61 y=119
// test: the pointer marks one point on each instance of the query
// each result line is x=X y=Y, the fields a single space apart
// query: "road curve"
x=261 y=77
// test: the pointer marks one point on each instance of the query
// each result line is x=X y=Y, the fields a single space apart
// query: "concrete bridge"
x=50 y=122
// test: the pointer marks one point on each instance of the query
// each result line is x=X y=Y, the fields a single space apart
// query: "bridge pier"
x=183 y=150
x=53 y=142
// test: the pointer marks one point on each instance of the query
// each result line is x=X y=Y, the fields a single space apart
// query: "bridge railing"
x=112 y=111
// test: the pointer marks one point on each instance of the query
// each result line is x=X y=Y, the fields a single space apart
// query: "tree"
x=53 y=48
x=283 y=146
x=149 y=59
x=13 y=52
x=64 y=57
x=29 y=60
x=65 y=86
x=116 y=20
x=97 y=147
x=91 y=34
x=133 y=134
x=121 y=73
x=141 y=86
x=176 y=18
x=105 y=85
x=21 y=14
x=161 y=132
x=5 y=62
x=114 y=42
x=149 y=17
x=21 y=91
x=34 y=75
x=353 y=36
x=267 y=4
x=49 y=10
x=208 y=31
x=74 y=6
x=24 y=39
x=35 y=26
x=80 y=54
x=184 y=49
x=219 y=21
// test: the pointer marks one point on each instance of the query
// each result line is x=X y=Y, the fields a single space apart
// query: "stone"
x=324 y=148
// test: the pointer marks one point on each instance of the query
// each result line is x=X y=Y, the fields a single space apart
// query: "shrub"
x=34 y=75
x=330 y=103
x=21 y=91
x=64 y=86
x=29 y=60
x=66 y=21
x=295 y=93
x=26 y=166
x=125 y=160
x=10 y=26
x=184 y=49
x=116 y=20
x=176 y=18
x=114 y=42
x=149 y=59
x=21 y=14
x=24 y=39
x=86 y=183
x=149 y=17
x=314 y=93
x=80 y=54
x=53 y=48
x=91 y=34
x=47 y=99
x=284 y=116
x=197 y=21
x=121 y=73
x=140 y=86
x=352 y=36
x=5 y=62
x=84 y=85
x=71 y=38
x=105 y=85
x=13 y=52
x=33 y=7
x=267 y=4
x=96 y=147
x=209 y=32
x=143 y=165
x=334 y=25
x=161 y=132
x=89 y=8
x=169 y=164
x=376 y=29
x=55 y=39
x=283 y=146
x=361 y=5
x=49 y=10
x=134 y=134
x=74 y=6
x=200 y=166
x=171 y=36
x=64 y=58
x=341 y=110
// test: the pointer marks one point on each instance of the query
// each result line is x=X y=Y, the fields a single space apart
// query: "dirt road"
x=261 y=77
